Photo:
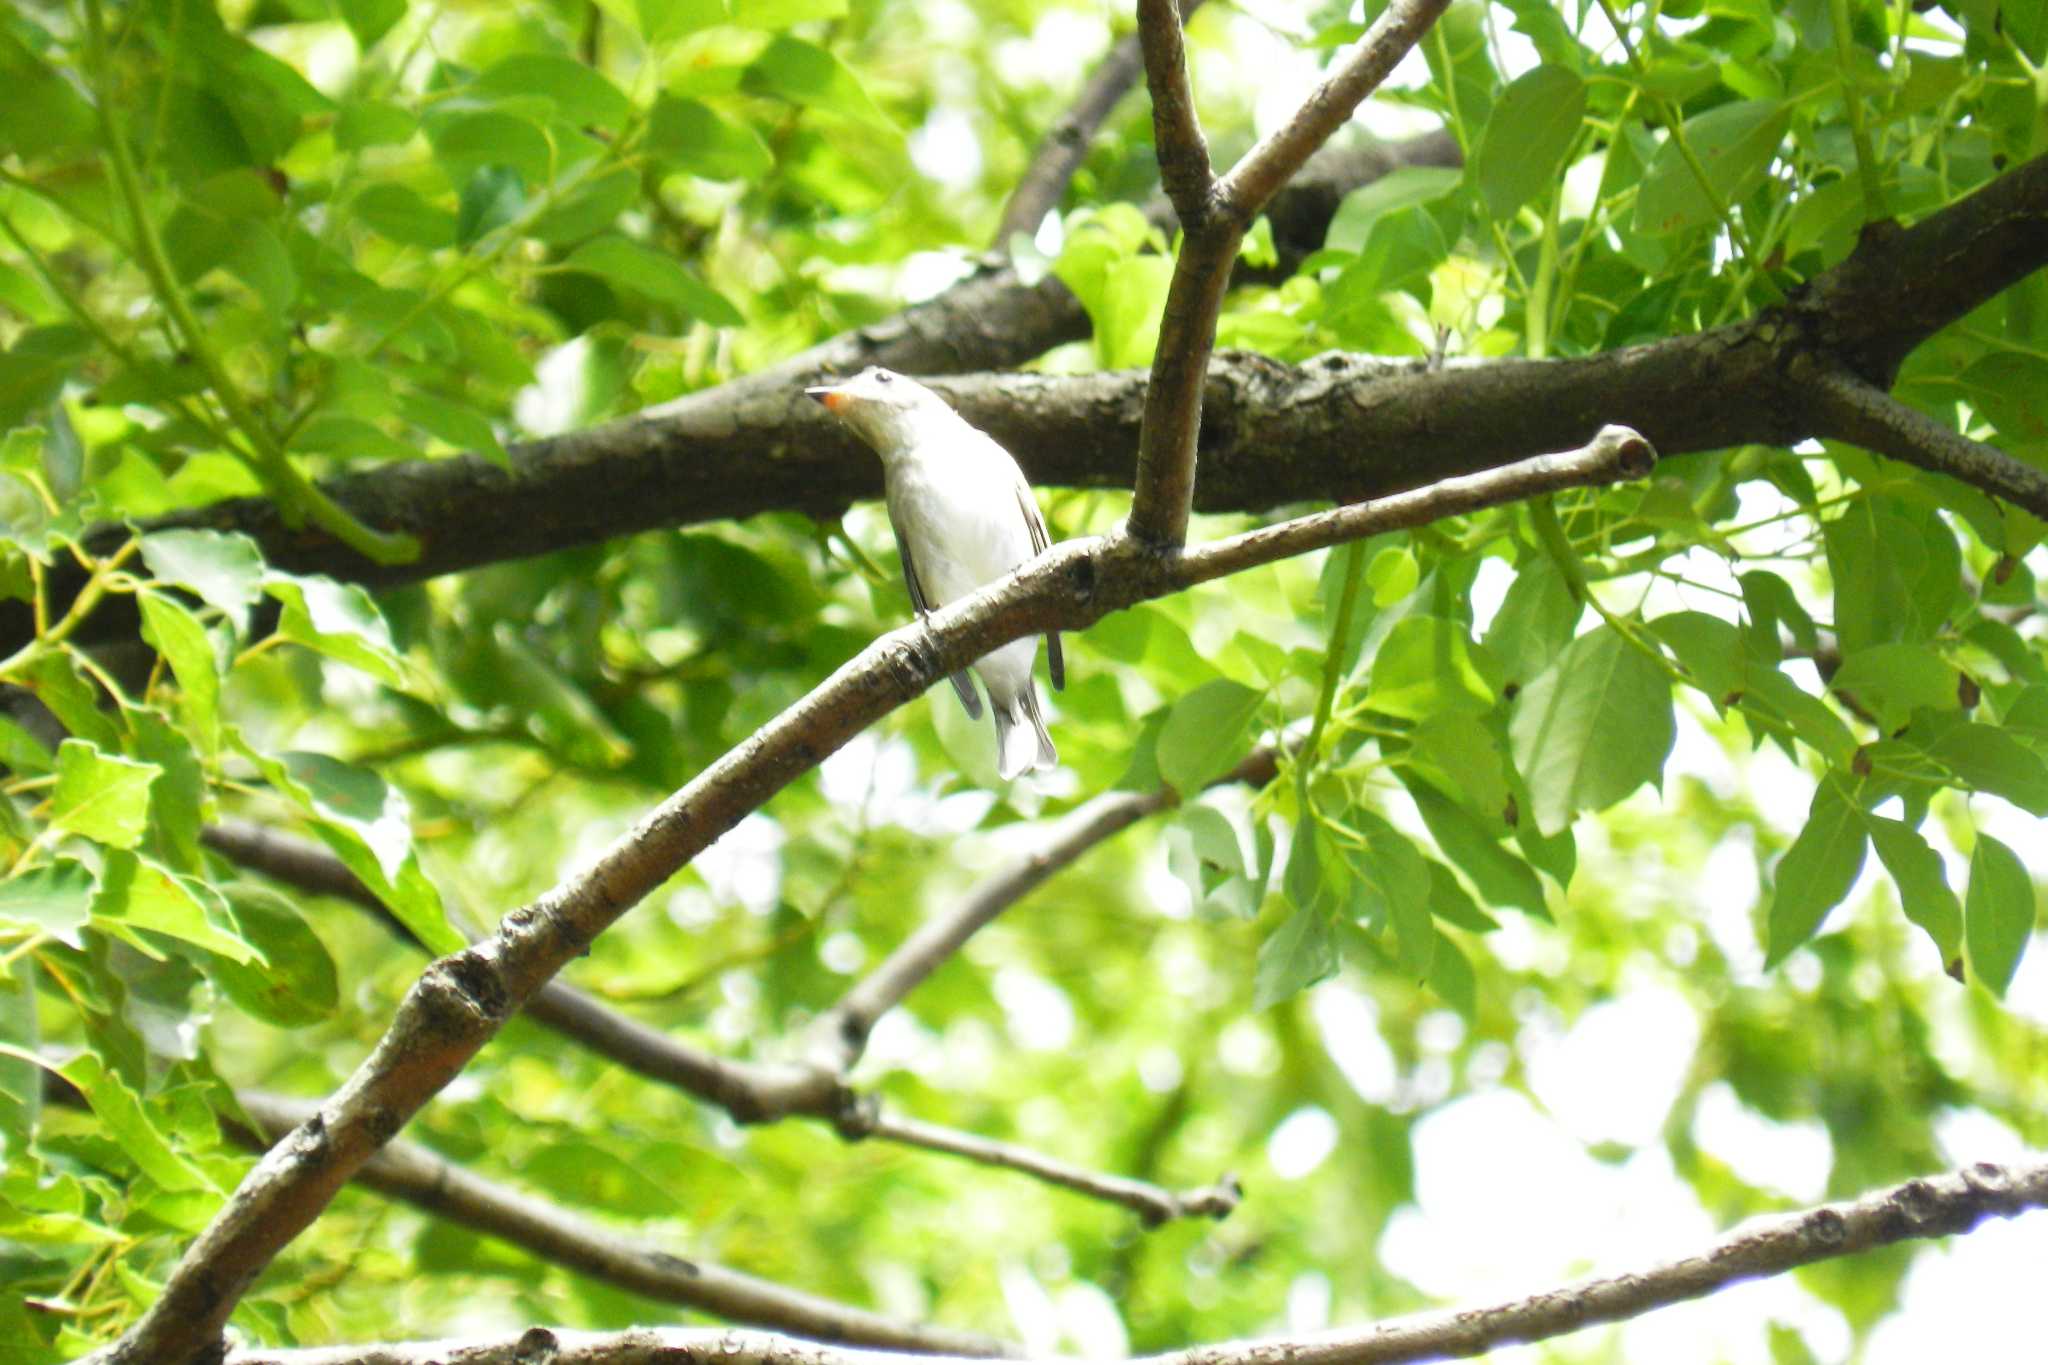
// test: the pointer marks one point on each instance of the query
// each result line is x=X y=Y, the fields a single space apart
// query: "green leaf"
x=1475 y=847
x=1536 y=620
x=1390 y=888
x=1206 y=733
x=1392 y=574
x=1896 y=570
x=1129 y=309
x=801 y=73
x=1449 y=902
x=1591 y=728
x=458 y=424
x=57 y=682
x=1361 y=209
x=338 y=620
x=1735 y=144
x=1998 y=913
x=492 y=197
x=1301 y=952
x=551 y=705
x=1214 y=838
x=400 y=214
x=1531 y=128
x=373 y=123
x=370 y=20
x=694 y=137
x=101 y=796
x=777 y=14
x=42 y=113
x=176 y=634
x=1924 y=893
x=580 y=93
x=225 y=570
x=23 y=752
x=1893 y=680
x=140 y=893
x=653 y=275
x=299 y=984
x=1460 y=753
x=368 y=825
x=130 y=1125
x=1450 y=976
x=2005 y=388
x=1428 y=666
x=664 y=20
x=1816 y=872
x=54 y=899
x=1985 y=758
x=467 y=142
x=21 y=1083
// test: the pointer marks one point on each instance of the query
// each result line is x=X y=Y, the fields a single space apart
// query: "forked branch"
x=1215 y=215
x=462 y=1000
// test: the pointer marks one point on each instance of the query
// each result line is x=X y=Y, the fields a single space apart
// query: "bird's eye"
x=885 y=378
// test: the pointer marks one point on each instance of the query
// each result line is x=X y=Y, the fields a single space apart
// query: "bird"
x=964 y=517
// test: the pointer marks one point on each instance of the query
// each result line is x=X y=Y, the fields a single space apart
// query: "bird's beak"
x=830 y=396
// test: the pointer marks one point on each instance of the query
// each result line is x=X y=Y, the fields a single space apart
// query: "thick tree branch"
x=1850 y=408
x=703 y=457
x=1216 y=216
x=412 y=1173
x=462 y=1000
x=1272 y=434
x=1936 y=1206
x=1059 y=155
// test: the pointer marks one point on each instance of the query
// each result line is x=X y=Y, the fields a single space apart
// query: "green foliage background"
x=248 y=245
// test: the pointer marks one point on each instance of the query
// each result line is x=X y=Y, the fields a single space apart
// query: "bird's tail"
x=1022 y=743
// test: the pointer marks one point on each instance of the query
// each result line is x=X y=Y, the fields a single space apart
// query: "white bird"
x=964 y=517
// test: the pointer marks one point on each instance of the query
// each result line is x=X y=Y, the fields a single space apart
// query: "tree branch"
x=1059 y=155
x=1935 y=1206
x=412 y=1173
x=1850 y=408
x=1272 y=162
x=754 y=1092
x=463 y=999
x=840 y=1034
x=1177 y=141
x=1215 y=216
x=1154 y=1203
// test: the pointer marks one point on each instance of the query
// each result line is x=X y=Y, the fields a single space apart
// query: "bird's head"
x=883 y=406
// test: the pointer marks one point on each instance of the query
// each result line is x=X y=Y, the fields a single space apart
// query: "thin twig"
x=1275 y=158
x=1154 y=1203
x=1847 y=407
x=840 y=1034
x=410 y=1172
x=751 y=1092
x=1936 y=1206
x=462 y=1000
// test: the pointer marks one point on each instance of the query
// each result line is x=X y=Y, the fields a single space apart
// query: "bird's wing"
x=1034 y=523
x=960 y=680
